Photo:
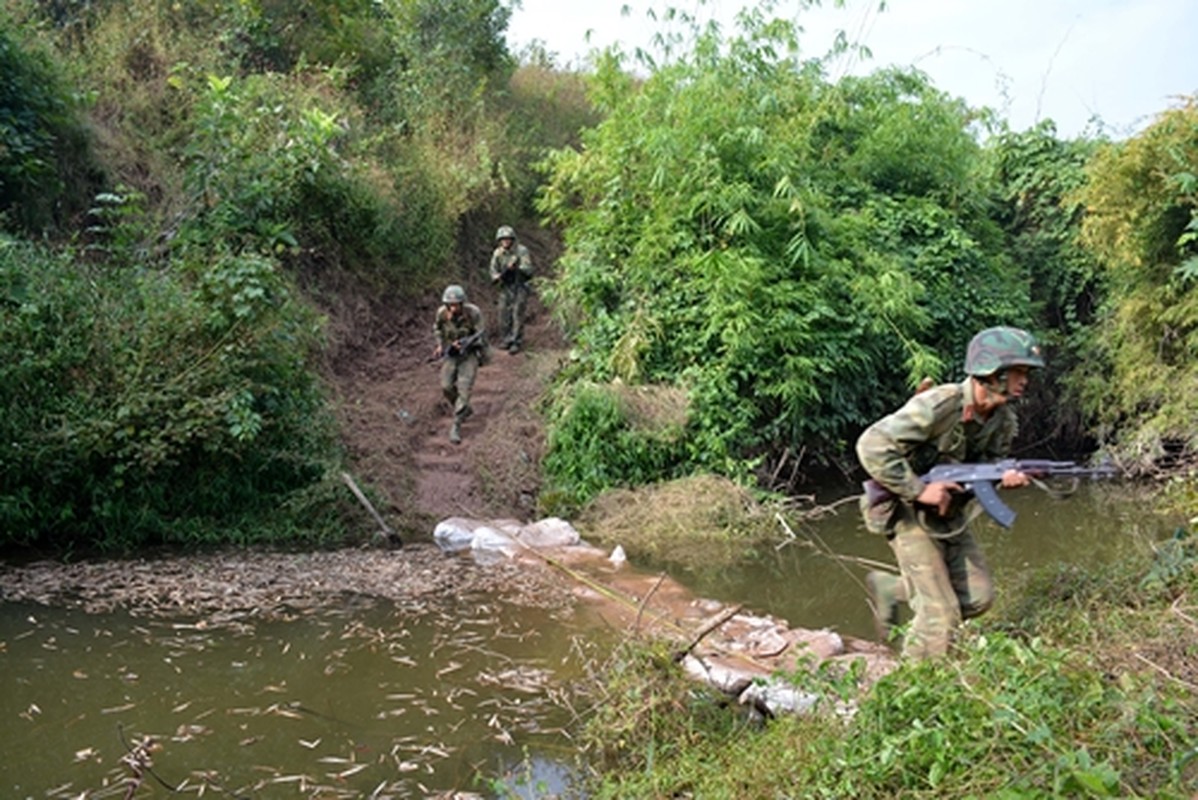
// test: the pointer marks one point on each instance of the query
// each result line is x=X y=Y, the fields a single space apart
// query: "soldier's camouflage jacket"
x=447 y=329
x=938 y=426
x=503 y=261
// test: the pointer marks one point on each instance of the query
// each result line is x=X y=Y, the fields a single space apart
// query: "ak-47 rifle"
x=474 y=341
x=979 y=479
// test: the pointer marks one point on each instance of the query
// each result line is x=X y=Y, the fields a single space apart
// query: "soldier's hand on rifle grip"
x=938 y=495
x=1013 y=479
x=437 y=351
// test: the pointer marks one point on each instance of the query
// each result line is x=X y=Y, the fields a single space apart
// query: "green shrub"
x=154 y=406
x=41 y=137
x=596 y=443
x=796 y=253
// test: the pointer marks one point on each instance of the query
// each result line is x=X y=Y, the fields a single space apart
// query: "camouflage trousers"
x=512 y=301
x=457 y=381
x=944 y=580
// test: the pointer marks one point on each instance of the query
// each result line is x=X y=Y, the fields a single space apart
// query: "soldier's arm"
x=885 y=447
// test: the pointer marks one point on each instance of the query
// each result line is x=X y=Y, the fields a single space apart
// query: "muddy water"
x=368 y=700
x=354 y=702
x=814 y=580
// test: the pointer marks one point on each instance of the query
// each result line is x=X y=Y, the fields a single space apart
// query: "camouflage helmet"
x=505 y=232
x=999 y=348
x=453 y=294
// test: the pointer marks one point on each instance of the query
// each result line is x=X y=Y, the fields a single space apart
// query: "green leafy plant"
x=794 y=254
x=151 y=406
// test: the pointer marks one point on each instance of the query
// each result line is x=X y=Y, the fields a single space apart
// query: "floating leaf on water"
x=181 y=707
x=394 y=712
x=250 y=740
x=275 y=689
x=453 y=666
x=117 y=709
x=85 y=754
x=354 y=770
x=251 y=711
x=311 y=745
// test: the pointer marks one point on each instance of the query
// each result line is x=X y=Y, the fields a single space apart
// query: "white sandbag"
x=549 y=532
x=775 y=698
x=455 y=534
x=490 y=545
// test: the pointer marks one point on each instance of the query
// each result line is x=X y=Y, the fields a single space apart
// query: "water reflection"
x=355 y=702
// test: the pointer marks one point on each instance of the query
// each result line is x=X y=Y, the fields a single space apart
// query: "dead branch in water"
x=391 y=536
x=727 y=614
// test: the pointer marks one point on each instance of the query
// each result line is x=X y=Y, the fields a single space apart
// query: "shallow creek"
x=459 y=695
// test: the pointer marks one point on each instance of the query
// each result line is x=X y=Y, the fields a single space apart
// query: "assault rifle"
x=474 y=341
x=980 y=480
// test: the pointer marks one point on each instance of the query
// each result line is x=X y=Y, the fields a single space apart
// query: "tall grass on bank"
x=1096 y=699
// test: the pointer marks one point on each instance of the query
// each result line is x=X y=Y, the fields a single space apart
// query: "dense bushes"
x=1141 y=202
x=41 y=139
x=791 y=252
x=165 y=389
x=158 y=405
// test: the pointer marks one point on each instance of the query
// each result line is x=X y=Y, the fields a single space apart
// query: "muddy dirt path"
x=395 y=424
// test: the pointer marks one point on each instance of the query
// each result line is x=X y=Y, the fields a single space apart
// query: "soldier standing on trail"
x=944 y=577
x=511 y=270
x=462 y=346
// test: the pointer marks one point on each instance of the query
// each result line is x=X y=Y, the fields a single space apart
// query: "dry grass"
x=694 y=520
x=654 y=407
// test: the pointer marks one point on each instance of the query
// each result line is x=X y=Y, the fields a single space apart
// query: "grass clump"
x=695 y=521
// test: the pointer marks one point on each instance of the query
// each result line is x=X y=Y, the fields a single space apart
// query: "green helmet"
x=999 y=348
x=454 y=294
x=505 y=232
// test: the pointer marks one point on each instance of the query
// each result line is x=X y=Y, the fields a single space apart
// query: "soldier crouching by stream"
x=462 y=348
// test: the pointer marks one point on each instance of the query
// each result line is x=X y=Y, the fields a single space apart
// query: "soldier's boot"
x=883 y=596
x=465 y=412
x=455 y=432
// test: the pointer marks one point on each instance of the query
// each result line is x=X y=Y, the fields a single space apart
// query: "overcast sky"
x=1069 y=60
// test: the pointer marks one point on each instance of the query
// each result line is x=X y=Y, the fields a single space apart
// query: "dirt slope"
x=395 y=424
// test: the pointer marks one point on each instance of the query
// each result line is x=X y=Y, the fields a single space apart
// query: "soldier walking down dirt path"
x=394 y=418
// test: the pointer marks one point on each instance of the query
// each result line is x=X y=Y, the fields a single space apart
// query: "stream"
x=466 y=696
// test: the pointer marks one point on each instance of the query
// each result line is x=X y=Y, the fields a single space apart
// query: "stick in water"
x=391 y=535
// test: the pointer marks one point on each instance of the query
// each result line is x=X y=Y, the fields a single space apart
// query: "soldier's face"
x=506 y=243
x=1017 y=380
x=455 y=309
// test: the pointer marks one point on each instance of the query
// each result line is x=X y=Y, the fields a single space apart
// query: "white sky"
x=1123 y=61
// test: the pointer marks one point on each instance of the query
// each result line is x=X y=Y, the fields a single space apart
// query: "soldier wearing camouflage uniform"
x=511 y=270
x=943 y=574
x=455 y=321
